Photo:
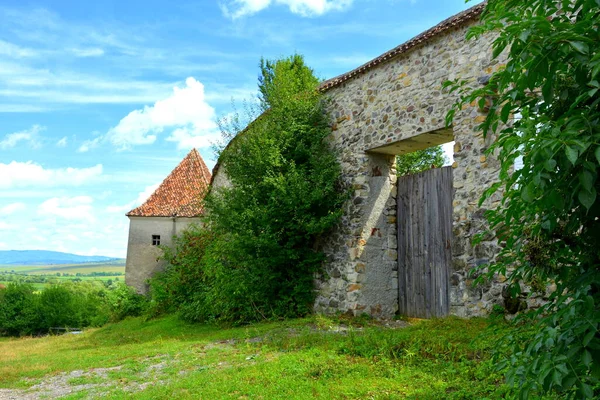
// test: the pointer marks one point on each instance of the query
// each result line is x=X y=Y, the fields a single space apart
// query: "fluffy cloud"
x=239 y=8
x=12 y=208
x=70 y=208
x=142 y=197
x=186 y=111
x=30 y=136
x=27 y=174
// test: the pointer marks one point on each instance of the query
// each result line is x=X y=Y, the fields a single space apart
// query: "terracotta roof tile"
x=455 y=20
x=181 y=193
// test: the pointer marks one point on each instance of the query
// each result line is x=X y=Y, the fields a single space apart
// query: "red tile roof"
x=455 y=20
x=181 y=193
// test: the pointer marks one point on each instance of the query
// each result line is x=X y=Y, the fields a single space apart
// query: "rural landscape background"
x=293 y=284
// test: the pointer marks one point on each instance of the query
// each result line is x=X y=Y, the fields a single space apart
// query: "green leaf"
x=586 y=358
x=597 y=153
x=587 y=391
x=587 y=180
x=581 y=47
x=556 y=377
x=587 y=198
x=550 y=165
x=588 y=337
x=528 y=192
x=572 y=154
x=505 y=113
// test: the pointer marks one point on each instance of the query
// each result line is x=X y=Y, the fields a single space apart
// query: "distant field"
x=86 y=268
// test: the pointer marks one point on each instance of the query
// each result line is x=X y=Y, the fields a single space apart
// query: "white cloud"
x=70 y=208
x=190 y=138
x=306 y=8
x=4 y=226
x=88 y=52
x=185 y=110
x=89 y=144
x=142 y=197
x=30 y=136
x=62 y=142
x=12 y=208
x=14 y=51
x=27 y=174
x=145 y=194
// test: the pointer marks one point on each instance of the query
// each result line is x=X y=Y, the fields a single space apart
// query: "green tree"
x=19 y=314
x=420 y=160
x=261 y=256
x=548 y=222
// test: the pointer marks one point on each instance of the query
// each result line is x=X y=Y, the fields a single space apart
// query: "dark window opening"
x=155 y=240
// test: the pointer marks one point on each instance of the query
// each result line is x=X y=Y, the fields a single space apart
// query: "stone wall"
x=394 y=107
x=143 y=257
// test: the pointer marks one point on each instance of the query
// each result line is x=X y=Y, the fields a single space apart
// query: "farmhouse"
x=404 y=244
x=173 y=206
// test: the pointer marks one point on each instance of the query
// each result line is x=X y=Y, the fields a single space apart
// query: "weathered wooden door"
x=424 y=236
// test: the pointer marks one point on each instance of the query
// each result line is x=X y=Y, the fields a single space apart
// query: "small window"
x=155 y=240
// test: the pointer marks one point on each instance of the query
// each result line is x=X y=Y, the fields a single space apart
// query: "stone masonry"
x=396 y=104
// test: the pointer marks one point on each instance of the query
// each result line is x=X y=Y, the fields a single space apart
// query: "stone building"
x=173 y=206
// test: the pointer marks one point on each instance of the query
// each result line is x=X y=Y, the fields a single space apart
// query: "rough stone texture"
x=391 y=105
x=142 y=257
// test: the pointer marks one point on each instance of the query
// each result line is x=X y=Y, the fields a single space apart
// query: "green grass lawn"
x=298 y=359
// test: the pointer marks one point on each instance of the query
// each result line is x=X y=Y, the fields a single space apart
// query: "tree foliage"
x=261 y=257
x=420 y=160
x=548 y=221
x=24 y=311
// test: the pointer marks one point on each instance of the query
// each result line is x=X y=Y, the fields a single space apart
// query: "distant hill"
x=44 y=257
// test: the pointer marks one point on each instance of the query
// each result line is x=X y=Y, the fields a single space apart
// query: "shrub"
x=19 y=314
x=122 y=301
x=58 y=308
x=65 y=305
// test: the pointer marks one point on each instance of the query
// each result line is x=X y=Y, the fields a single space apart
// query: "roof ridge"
x=443 y=26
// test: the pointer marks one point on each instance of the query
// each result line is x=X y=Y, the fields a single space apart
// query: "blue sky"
x=99 y=101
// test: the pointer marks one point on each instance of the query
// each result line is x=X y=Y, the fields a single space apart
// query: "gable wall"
x=142 y=257
x=391 y=102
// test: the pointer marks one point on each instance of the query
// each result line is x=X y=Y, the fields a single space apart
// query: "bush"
x=65 y=305
x=19 y=314
x=58 y=308
x=122 y=301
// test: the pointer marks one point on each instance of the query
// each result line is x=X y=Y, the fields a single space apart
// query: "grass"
x=298 y=359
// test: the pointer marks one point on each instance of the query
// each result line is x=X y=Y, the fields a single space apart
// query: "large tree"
x=259 y=257
x=544 y=106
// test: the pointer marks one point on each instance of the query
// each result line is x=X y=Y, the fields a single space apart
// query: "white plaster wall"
x=142 y=257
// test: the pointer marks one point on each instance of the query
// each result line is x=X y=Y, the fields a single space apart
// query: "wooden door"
x=424 y=243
